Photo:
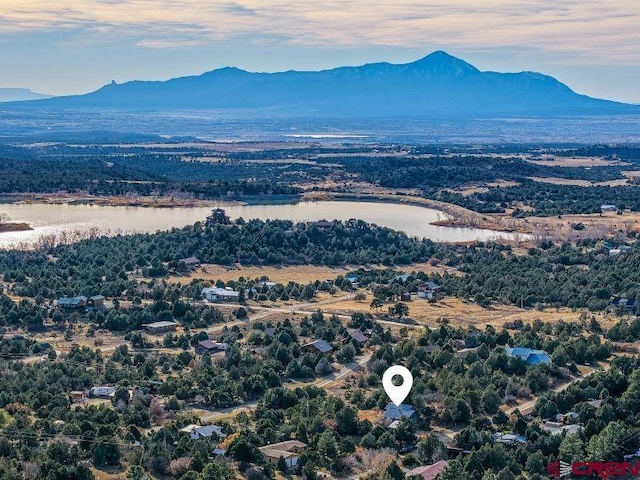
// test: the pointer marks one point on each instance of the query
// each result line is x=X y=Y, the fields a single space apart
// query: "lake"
x=62 y=219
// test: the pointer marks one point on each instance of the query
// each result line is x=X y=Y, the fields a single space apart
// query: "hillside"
x=19 y=94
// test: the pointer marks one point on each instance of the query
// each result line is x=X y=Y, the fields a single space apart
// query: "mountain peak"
x=441 y=63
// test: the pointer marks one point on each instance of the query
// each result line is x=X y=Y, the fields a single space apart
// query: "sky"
x=68 y=47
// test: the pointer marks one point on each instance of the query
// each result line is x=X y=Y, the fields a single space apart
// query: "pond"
x=62 y=220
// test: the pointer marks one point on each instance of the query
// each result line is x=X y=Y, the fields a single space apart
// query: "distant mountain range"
x=436 y=85
x=19 y=94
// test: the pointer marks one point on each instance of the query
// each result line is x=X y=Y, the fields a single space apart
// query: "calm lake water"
x=64 y=219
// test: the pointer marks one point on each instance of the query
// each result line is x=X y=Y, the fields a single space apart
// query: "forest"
x=439 y=173
x=38 y=425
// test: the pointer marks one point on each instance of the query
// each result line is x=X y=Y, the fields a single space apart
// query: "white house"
x=203 y=431
x=214 y=294
x=428 y=290
x=104 y=392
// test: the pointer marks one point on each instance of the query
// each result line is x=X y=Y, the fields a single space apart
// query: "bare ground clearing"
x=621 y=182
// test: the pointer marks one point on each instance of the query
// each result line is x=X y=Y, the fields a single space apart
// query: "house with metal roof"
x=190 y=262
x=209 y=346
x=358 y=336
x=214 y=294
x=160 y=327
x=72 y=303
x=529 y=355
x=319 y=346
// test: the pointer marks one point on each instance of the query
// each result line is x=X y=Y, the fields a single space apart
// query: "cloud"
x=599 y=31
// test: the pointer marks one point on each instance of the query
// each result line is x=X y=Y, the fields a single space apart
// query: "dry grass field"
x=297 y=273
x=596 y=225
x=580 y=183
x=552 y=161
x=470 y=190
x=459 y=312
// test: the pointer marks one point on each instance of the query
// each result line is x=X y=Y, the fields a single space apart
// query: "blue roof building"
x=393 y=412
x=530 y=356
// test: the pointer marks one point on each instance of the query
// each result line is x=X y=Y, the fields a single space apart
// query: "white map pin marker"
x=397 y=394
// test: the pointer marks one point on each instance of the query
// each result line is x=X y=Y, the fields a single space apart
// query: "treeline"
x=46 y=175
x=550 y=199
x=456 y=171
x=581 y=276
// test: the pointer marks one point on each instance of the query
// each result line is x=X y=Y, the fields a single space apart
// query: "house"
x=429 y=472
x=319 y=346
x=203 y=431
x=393 y=412
x=509 y=438
x=218 y=216
x=428 y=290
x=402 y=278
x=358 y=336
x=78 y=396
x=191 y=262
x=215 y=294
x=209 y=346
x=530 y=356
x=353 y=280
x=270 y=332
x=625 y=304
x=102 y=392
x=608 y=208
x=555 y=428
x=72 y=303
x=156 y=328
x=289 y=450
x=567 y=417
x=97 y=301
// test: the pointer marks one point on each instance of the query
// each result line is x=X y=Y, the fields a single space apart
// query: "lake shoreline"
x=454 y=215
x=457 y=217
